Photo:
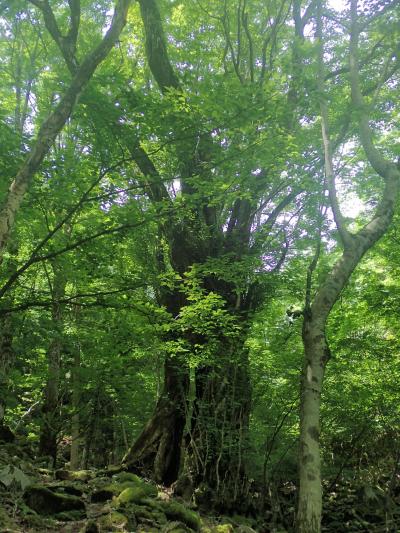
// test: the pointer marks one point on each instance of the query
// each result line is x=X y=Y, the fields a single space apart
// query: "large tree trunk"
x=159 y=447
x=217 y=440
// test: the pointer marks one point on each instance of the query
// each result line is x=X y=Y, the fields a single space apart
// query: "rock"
x=67 y=487
x=175 y=527
x=113 y=521
x=140 y=490
x=74 y=475
x=6 y=435
x=90 y=527
x=105 y=493
x=177 y=511
x=46 y=502
x=131 y=495
x=70 y=516
x=184 y=487
x=122 y=477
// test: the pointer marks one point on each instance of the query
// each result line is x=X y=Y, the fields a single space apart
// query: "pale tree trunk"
x=317 y=310
x=55 y=122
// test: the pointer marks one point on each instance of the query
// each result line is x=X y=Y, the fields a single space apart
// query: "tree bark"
x=217 y=440
x=158 y=449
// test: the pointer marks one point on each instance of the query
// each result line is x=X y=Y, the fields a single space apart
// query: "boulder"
x=46 y=502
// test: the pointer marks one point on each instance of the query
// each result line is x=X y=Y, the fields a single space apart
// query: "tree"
x=318 y=307
x=211 y=250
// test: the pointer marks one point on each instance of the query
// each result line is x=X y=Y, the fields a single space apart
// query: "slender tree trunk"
x=50 y=409
x=75 y=422
x=6 y=361
x=316 y=314
x=316 y=354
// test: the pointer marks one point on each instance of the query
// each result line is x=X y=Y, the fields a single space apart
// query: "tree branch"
x=377 y=161
x=56 y=121
x=51 y=255
x=345 y=235
x=156 y=46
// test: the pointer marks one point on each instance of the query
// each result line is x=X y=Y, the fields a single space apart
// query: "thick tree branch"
x=156 y=46
x=66 y=44
x=74 y=299
x=377 y=161
x=328 y=162
x=154 y=183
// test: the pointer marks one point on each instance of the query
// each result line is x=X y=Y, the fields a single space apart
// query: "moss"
x=106 y=493
x=156 y=505
x=67 y=487
x=177 y=511
x=40 y=523
x=70 y=516
x=5 y=520
x=131 y=495
x=122 y=477
x=112 y=520
x=223 y=528
x=74 y=475
x=90 y=527
x=46 y=502
x=142 y=512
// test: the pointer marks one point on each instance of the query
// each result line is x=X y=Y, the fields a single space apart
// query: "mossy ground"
x=89 y=501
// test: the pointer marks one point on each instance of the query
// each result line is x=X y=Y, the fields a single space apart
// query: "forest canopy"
x=199 y=262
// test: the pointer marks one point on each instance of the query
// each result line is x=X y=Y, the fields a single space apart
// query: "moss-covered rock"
x=74 y=475
x=179 y=529
x=71 y=516
x=176 y=511
x=105 y=493
x=90 y=527
x=140 y=490
x=122 y=477
x=113 y=521
x=67 y=487
x=46 y=502
x=131 y=495
x=223 y=528
x=175 y=527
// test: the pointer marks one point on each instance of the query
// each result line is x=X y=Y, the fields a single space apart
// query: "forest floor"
x=34 y=499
